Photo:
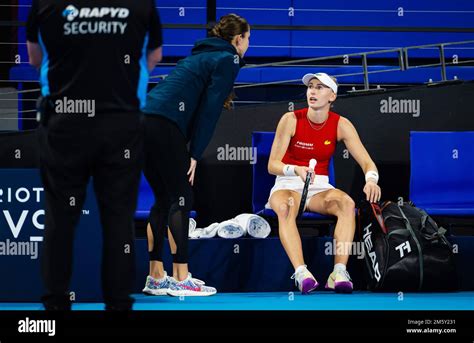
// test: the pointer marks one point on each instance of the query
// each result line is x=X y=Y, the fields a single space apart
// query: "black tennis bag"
x=404 y=249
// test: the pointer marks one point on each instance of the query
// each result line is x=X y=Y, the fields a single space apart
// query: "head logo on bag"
x=373 y=257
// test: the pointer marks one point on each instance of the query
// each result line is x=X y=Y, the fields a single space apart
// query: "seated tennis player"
x=312 y=133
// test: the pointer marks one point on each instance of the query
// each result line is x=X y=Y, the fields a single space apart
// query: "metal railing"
x=402 y=55
x=442 y=59
x=402 y=58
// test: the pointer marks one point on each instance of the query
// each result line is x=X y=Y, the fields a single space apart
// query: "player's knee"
x=283 y=210
x=347 y=205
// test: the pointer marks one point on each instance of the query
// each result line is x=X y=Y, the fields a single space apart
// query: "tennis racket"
x=304 y=194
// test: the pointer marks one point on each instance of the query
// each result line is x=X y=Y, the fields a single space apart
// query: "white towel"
x=195 y=234
x=230 y=229
x=192 y=225
x=254 y=225
x=207 y=232
x=210 y=231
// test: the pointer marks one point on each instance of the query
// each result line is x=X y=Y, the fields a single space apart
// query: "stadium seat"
x=263 y=181
x=441 y=179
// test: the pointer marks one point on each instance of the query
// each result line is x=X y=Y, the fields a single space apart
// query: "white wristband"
x=289 y=170
x=371 y=174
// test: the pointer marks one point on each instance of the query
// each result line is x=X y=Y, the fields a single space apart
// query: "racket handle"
x=312 y=164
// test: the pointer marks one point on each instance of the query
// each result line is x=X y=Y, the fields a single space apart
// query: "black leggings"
x=167 y=162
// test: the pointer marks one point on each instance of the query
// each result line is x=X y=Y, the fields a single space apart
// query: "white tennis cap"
x=324 y=78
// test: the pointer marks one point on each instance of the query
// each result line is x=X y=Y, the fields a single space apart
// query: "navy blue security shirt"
x=95 y=50
x=194 y=93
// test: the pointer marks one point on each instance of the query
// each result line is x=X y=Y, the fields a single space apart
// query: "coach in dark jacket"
x=193 y=94
x=184 y=108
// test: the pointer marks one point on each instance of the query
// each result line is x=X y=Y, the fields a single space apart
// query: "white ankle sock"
x=339 y=267
x=300 y=268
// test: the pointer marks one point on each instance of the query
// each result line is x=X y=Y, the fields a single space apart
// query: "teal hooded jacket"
x=193 y=94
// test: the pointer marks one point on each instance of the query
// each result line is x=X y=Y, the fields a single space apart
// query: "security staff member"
x=94 y=59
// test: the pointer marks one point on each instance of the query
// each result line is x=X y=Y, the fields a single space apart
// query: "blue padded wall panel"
x=269 y=43
x=262 y=12
x=182 y=11
x=22 y=50
x=441 y=168
x=328 y=43
x=179 y=42
x=421 y=13
x=171 y=11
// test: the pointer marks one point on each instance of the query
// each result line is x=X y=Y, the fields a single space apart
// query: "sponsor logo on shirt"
x=327 y=142
x=70 y=13
x=304 y=145
x=112 y=20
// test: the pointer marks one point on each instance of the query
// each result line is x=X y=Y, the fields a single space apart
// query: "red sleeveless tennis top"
x=313 y=140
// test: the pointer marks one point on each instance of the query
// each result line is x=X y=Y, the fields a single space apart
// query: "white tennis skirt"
x=294 y=183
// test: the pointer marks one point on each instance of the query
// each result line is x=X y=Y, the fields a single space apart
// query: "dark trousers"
x=73 y=148
x=167 y=162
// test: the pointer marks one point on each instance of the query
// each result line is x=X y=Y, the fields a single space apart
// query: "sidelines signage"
x=21 y=237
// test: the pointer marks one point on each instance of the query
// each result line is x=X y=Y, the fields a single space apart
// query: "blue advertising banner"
x=21 y=237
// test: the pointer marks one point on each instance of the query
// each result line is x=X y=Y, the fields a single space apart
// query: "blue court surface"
x=287 y=301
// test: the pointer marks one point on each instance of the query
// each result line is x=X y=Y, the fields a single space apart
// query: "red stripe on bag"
x=378 y=215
